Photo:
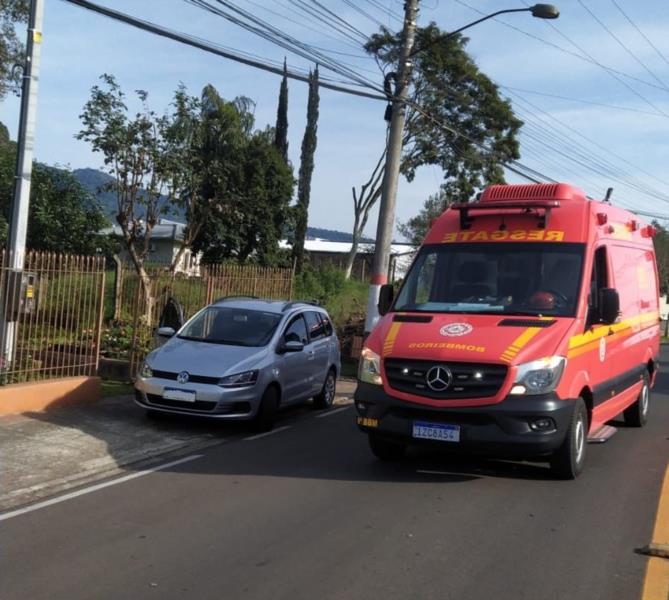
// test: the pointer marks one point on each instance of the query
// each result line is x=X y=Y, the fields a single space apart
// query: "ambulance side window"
x=598 y=280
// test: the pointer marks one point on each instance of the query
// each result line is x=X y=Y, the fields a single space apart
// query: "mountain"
x=96 y=183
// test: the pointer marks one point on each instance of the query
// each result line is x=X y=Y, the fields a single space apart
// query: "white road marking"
x=94 y=488
x=428 y=472
x=262 y=435
x=333 y=412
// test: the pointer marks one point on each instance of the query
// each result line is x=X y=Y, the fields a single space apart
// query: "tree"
x=63 y=217
x=151 y=160
x=281 y=129
x=306 y=170
x=448 y=92
x=12 y=50
x=246 y=181
x=362 y=202
x=416 y=228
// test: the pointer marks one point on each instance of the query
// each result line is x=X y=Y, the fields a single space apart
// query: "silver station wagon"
x=242 y=358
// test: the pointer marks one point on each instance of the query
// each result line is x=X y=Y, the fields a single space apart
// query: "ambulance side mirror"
x=609 y=305
x=386 y=294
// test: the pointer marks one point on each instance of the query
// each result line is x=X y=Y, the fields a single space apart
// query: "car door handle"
x=311 y=355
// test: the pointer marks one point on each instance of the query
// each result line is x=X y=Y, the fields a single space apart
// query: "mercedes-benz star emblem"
x=439 y=378
x=183 y=377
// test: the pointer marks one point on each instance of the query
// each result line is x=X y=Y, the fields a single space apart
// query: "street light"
x=540 y=11
x=386 y=220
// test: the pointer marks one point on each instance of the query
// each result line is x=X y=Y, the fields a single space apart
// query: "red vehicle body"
x=528 y=319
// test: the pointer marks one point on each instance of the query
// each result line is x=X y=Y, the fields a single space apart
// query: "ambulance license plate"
x=436 y=431
x=180 y=395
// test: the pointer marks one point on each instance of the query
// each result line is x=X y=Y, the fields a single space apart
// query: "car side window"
x=314 y=325
x=296 y=331
x=327 y=325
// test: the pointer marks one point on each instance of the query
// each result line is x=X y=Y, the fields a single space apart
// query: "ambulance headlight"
x=539 y=376
x=369 y=369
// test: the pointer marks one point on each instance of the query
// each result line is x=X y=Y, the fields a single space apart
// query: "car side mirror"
x=166 y=332
x=609 y=305
x=291 y=346
x=386 y=294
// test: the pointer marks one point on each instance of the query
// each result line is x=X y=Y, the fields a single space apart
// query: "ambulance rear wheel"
x=637 y=414
x=385 y=449
x=568 y=460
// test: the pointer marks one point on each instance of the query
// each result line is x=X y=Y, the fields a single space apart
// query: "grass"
x=115 y=388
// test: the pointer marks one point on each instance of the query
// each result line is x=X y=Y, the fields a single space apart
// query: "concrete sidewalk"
x=45 y=453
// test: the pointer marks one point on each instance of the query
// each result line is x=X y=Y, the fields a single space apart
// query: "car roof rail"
x=237 y=297
x=293 y=303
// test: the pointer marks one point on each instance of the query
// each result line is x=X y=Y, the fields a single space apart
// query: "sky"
x=584 y=124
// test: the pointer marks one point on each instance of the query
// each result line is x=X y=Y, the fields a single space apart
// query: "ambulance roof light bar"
x=540 y=209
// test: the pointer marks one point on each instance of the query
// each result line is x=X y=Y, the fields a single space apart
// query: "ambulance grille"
x=526 y=322
x=468 y=380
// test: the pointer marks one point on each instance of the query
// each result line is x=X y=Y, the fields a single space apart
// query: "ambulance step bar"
x=603 y=434
x=541 y=209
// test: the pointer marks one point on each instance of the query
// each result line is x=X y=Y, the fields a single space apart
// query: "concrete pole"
x=24 y=163
x=386 y=222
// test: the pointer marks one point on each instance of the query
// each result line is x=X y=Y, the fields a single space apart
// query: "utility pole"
x=24 y=166
x=384 y=231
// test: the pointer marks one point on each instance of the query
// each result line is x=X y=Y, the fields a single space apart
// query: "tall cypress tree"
x=281 y=129
x=306 y=170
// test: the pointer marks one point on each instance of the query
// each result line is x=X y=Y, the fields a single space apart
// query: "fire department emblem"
x=456 y=329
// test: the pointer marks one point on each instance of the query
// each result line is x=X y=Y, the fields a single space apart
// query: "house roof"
x=164 y=230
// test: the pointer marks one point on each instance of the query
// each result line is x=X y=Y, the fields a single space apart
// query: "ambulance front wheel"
x=637 y=414
x=568 y=460
x=385 y=449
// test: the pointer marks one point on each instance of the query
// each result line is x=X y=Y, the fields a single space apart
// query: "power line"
x=581 y=100
x=641 y=33
x=622 y=45
x=212 y=48
x=270 y=33
x=363 y=13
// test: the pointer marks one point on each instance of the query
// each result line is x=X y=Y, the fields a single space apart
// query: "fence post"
x=118 y=287
x=101 y=312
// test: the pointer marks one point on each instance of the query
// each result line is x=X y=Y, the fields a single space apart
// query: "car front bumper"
x=502 y=429
x=210 y=400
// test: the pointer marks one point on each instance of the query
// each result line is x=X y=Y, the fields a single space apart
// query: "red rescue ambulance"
x=528 y=319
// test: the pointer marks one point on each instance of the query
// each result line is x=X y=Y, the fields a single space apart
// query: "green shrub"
x=344 y=300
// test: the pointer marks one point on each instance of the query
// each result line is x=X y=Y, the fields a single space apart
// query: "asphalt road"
x=307 y=512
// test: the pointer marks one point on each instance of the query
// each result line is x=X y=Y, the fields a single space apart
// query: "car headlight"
x=369 y=369
x=145 y=370
x=244 y=379
x=539 y=376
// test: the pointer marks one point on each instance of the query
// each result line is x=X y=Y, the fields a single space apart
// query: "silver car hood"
x=201 y=358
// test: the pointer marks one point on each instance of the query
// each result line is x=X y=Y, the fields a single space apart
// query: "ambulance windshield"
x=536 y=278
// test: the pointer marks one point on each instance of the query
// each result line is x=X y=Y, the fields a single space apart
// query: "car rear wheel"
x=267 y=411
x=637 y=414
x=385 y=449
x=325 y=398
x=568 y=460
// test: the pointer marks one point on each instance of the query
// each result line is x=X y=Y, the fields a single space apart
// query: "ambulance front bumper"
x=519 y=426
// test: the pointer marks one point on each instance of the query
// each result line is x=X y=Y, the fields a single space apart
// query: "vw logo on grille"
x=183 y=377
x=439 y=378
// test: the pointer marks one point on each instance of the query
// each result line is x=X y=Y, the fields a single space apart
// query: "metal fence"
x=132 y=336
x=51 y=318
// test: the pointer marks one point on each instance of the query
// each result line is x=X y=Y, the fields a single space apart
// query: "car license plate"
x=180 y=395
x=436 y=431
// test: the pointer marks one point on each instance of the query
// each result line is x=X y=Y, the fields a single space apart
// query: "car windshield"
x=509 y=278
x=233 y=326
